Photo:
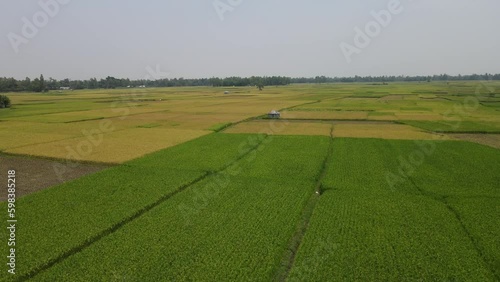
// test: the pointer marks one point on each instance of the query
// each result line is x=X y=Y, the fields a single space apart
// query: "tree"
x=260 y=85
x=52 y=84
x=322 y=79
x=42 y=82
x=10 y=84
x=92 y=83
x=25 y=84
x=64 y=83
x=38 y=84
x=112 y=82
x=4 y=102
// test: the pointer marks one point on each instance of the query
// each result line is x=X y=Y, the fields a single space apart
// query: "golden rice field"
x=383 y=131
x=58 y=125
x=342 y=115
x=146 y=120
x=114 y=147
x=352 y=129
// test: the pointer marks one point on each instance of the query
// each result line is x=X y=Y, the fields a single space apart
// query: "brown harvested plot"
x=113 y=147
x=382 y=131
x=282 y=127
x=348 y=115
x=36 y=174
x=492 y=140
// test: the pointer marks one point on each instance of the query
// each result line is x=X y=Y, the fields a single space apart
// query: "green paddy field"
x=355 y=182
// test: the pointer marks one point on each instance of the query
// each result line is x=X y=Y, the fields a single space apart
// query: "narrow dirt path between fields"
x=295 y=241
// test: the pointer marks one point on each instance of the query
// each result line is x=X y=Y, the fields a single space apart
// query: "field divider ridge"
x=295 y=241
x=62 y=139
x=89 y=242
x=442 y=200
x=261 y=116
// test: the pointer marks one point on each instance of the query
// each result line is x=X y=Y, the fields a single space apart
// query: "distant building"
x=142 y=86
x=274 y=114
x=64 y=88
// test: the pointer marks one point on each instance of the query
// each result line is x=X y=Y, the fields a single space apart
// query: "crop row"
x=57 y=221
x=233 y=226
x=437 y=222
x=389 y=210
x=465 y=177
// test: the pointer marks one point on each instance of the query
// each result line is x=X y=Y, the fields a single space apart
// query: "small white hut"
x=274 y=114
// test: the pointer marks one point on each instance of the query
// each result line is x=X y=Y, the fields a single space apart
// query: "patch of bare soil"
x=492 y=140
x=34 y=174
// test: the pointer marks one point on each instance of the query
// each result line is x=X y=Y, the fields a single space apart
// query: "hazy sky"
x=189 y=38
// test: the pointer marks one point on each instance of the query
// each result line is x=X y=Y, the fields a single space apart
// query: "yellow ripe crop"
x=282 y=127
x=382 y=130
x=113 y=147
x=326 y=115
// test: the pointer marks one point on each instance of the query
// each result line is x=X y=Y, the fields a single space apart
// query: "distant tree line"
x=401 y=78
x=40 y=84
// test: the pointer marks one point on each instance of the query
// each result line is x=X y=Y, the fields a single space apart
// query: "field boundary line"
x=108 y=231
x=261 y=117
x=42 y=114
x=70 y=111
x=68 y=138
x=479 y=132
x=295 y=241
x=111 y=117
x=360 y=121
x=61 y=160
x=76 y=137
x=300 y=105
x=442 y=200
x=114 y=228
